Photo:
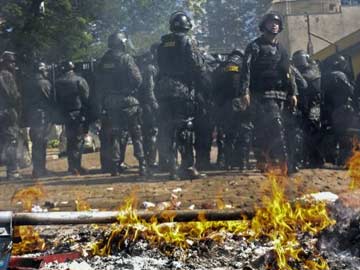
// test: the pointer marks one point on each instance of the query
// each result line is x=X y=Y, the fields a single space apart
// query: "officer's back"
x=72 y=91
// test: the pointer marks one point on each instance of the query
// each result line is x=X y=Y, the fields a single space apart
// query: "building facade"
x=315 y=24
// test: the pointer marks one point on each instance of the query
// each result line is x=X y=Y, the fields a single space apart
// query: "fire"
x=28 y=196
x=30 y=240
x=166 y=236
x=281 y=222
x=354 y=167
x=278 y=221
x=82 y=205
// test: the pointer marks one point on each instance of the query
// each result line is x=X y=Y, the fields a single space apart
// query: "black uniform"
x=72 y=97
x=38 y=106
x=119 y=79
x=338 y=111
x=181 y=69
x=150 y=107
x=357 y=93
x=9 y=122
x=265 y=75
x=310 y=106
x=233 y=123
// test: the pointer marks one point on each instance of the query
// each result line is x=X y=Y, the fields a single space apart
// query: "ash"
x=340 y=244
x=233 y=253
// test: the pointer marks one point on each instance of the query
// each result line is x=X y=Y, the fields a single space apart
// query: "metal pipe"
x=88 y=217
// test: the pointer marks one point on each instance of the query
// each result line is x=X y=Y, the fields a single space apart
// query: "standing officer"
x=181 y=69
x=72 y=97
x=38 y=106
x=265 y=77
x=9 y=115
x=310 y=105
x=149 y=105
x=233 y=120
x=339 y=107
x=118 y=81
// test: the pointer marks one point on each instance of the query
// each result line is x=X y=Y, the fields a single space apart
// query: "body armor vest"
x=68 y=93
x=171 y=55
x=113 y=74
x=268 y=69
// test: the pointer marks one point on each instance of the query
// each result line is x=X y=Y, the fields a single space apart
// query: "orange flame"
x=279 y=221
x=354 y=166
x=30 y=239
x=28 y=196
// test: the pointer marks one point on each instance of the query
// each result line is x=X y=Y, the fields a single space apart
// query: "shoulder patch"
x=232 y=68
x=169 y=44
x=108 y=66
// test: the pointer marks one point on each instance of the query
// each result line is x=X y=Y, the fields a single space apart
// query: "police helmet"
x=8 y=57
x=271 y=17
x=117 y=40
x=180 y=22
x=41 y=66
x=67 y=66
x=238 y=52
x=300 y=59
x=341 y=63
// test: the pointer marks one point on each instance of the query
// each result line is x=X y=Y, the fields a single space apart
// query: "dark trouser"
x=75 y=129
x=105 y=141
x=150 y=133
x=176 y=133
x=270 y=132
x=39 y=138
x=238 y=141
x=294 y=139
x=9 y=137
x=220 y=142
x=313 y=156
x=342 y=120
x=203 y=127
x=122 y=126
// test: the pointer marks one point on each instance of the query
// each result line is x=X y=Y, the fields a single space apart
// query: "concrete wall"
x=329 y=26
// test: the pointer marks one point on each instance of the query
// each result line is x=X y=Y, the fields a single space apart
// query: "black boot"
x=143 y=170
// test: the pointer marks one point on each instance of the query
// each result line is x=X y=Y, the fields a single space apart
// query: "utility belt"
x=275 y=94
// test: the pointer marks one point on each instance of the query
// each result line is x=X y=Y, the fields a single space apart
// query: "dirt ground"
x=101 y=191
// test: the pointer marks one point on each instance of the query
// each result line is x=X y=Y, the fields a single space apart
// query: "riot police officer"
x=310 y=105
x=149 y=104
x=72 y=97
x=10 y=101
x=339 y=107
x=181 y=69
x=357 y=92
x=118 y=81
x=38 y=107
x=266 y=78
x=233 y=120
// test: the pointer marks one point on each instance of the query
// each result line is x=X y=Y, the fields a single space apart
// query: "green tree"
x=61 y=32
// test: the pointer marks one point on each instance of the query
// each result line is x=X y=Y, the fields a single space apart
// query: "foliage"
x=78 y=29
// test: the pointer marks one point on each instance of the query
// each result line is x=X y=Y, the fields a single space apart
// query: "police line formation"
x=289 y=114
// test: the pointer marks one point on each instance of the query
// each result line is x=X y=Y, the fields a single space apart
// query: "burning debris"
x=281 y=234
